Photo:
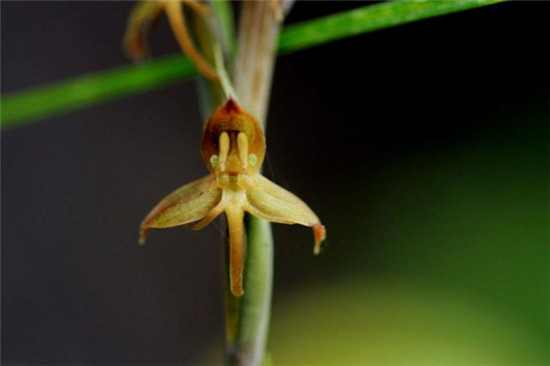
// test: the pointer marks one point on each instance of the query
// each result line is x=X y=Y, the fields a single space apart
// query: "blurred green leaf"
x=87 y=90
x=368 y=19
x=23 y=106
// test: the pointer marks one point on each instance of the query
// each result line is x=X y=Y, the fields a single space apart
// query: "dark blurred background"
x=423 y=149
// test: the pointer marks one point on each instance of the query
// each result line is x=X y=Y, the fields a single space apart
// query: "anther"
x=242 y=144
x=224 y=150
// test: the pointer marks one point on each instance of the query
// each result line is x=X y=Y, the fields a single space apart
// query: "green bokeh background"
x=443 y=259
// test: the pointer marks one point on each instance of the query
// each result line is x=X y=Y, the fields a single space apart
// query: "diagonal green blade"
x=368 y=19
x=90 y=89
x=24 y=106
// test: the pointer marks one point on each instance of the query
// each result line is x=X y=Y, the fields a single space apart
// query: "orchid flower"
x=233 y=148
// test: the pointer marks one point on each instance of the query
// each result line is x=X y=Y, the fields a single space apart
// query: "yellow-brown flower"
x=233 y=148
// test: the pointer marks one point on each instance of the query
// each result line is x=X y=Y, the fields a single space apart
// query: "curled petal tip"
x=135 y=48
x=143 y=18
x=142 y=234
x=320 y=234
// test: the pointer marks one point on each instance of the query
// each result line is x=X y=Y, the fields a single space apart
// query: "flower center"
x=231 y=165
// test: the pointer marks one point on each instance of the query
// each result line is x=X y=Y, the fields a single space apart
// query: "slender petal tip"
x=237 y=291
x=320 y=234
x=142 y=233
x=135 y=47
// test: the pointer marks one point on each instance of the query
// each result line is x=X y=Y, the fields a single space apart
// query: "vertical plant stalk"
x=247 y=318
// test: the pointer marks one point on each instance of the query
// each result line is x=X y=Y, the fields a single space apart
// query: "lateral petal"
x=186 y=204
x=272 y=202
x=144 y=16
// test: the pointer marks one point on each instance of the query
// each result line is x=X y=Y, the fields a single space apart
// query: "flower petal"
x=144 y=16
x=271 y=202
x=235 y=217
x=189 y=203
x=179 y=28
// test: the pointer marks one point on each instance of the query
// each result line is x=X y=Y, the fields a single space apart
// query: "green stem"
x=255 y=311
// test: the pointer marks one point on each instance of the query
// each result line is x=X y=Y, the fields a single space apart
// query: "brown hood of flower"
x=232 y=118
